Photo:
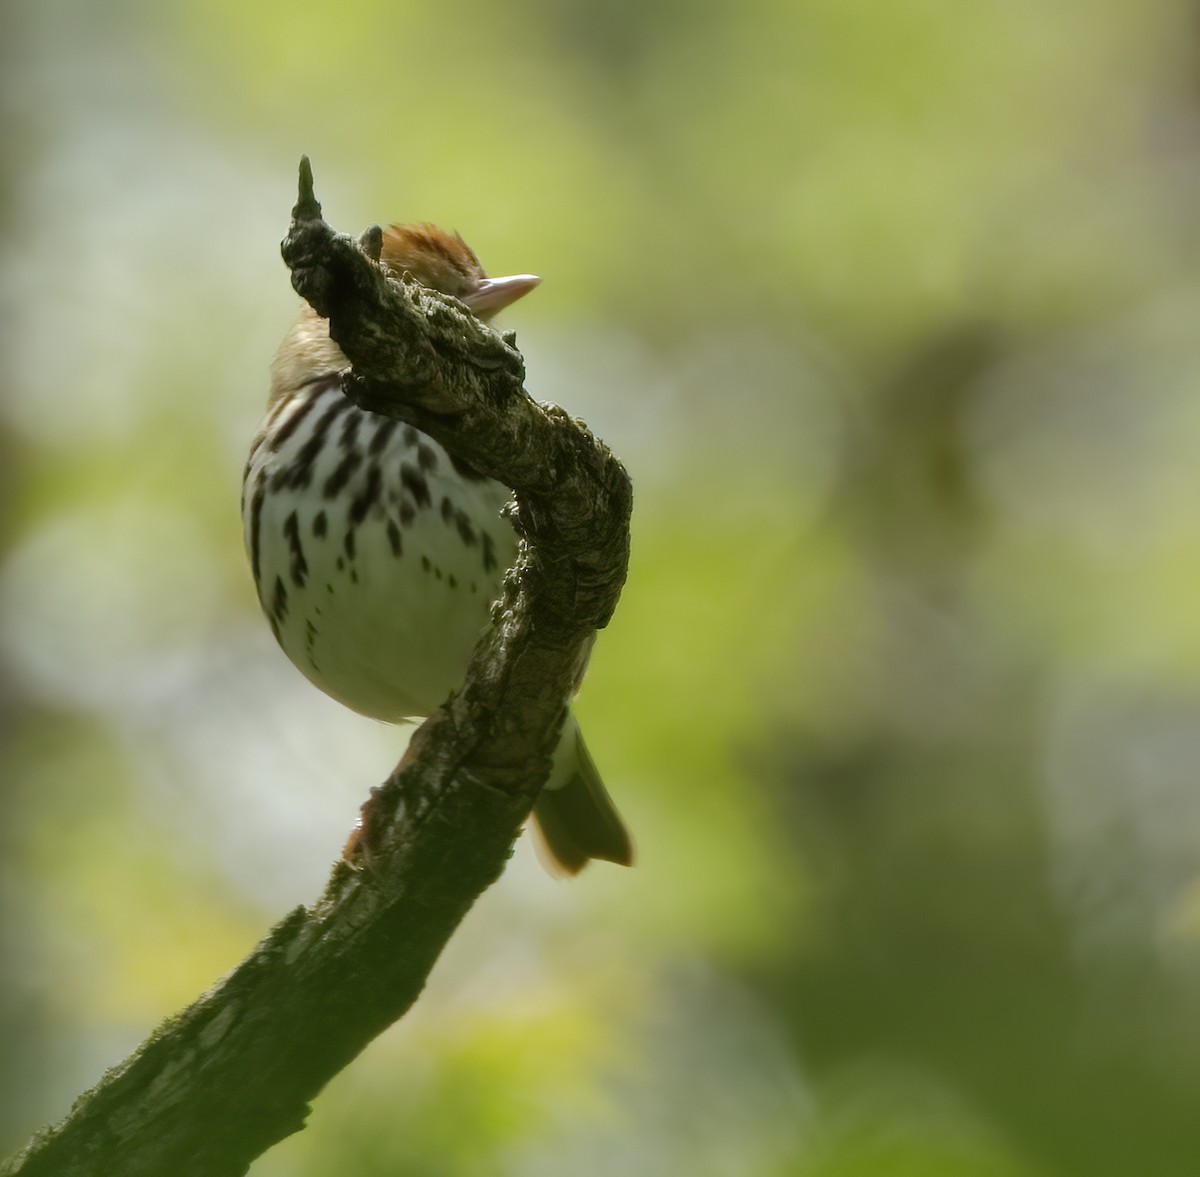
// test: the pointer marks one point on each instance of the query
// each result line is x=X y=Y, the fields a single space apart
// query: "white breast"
x=376 y=561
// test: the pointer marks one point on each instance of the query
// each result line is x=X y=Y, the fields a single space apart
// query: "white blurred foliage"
x=1093 y=437
x=112 y=609
x=140 y=272
x=1123 y=813
x=714 y=1092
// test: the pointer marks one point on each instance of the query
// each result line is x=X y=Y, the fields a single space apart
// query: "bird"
x=376 y=554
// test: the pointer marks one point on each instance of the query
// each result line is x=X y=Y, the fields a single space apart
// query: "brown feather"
x=440 y=260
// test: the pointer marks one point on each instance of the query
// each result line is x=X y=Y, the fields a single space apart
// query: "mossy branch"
x=218 y=1084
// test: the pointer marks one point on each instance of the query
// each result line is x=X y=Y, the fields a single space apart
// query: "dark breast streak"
x=375 y=553
x=327 y=468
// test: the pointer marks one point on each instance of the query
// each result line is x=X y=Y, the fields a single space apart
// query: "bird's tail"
x=574 y=814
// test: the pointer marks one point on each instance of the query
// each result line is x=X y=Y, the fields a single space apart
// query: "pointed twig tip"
x=307 y=206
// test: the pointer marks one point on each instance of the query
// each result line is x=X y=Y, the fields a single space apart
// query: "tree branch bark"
x=233 y=1074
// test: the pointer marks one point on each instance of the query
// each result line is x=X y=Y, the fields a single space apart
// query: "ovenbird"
x=377 y=554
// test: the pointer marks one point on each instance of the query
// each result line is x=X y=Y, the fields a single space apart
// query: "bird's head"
x=446 y=263
x=437 y=259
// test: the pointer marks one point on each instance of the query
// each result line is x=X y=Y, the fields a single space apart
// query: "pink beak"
x=494 y=294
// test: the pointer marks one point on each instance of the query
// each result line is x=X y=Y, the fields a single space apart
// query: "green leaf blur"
x=890 y=310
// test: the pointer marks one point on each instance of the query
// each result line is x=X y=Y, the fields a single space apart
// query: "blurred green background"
x=890 y=306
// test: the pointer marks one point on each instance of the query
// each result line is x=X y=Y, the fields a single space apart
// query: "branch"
x=233 y=1074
